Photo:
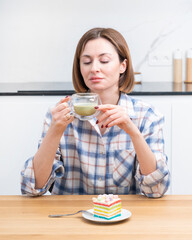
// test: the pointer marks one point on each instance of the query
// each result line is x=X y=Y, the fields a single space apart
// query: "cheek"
x=113 y=71
x=113 y=67
x=83 y=71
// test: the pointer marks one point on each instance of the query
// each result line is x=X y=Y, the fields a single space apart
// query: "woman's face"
x=100 y=66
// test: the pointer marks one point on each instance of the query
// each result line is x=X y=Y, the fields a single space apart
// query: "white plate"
x=124 y=215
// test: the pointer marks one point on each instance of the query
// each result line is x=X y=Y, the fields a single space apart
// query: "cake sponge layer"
x=107 y=218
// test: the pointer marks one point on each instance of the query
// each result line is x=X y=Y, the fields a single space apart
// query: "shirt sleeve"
x=27 y=173
x=156 y=183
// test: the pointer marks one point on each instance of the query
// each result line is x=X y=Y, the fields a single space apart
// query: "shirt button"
x=101 y=152
x=100 y=179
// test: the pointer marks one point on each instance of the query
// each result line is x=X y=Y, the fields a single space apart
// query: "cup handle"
x=72 y=113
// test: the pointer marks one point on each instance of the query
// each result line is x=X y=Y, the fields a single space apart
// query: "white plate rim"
x=125 y=214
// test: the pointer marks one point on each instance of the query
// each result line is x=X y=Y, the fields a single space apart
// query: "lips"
x=96 y=79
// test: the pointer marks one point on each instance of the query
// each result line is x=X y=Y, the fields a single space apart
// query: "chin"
x=97 y=90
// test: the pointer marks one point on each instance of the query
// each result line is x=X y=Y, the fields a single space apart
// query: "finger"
x=58 y=112
x=114 y=120
x=59 y=108
x=63 y=117
x=62 y=106
x=107 y=117
x=64 y=112
x=66 y=99
x=107 y=114
x=69 y=117
x=105 y=107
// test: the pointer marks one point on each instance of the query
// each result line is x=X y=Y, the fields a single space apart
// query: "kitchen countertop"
x=66 y=88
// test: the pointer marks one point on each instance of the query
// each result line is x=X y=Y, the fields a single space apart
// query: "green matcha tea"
x=85 y=109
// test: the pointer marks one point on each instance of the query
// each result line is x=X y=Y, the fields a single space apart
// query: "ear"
x=123 y=66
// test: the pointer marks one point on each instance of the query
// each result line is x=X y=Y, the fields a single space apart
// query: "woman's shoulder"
x=136 y=102
x=139 y=105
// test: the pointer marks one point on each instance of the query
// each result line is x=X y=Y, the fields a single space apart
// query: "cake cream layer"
x=99 y=206
x=107 y=204
x=107 y=214
x=106 y=211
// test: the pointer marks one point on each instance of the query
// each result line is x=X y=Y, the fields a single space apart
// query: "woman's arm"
x=43 y=159
x=145 y=156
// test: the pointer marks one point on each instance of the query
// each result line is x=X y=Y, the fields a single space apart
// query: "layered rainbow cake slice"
x=107 y=206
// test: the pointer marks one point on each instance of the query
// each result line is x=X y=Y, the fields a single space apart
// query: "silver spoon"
x=69 y=214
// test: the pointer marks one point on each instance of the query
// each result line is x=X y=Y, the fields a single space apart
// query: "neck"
x=109 y=98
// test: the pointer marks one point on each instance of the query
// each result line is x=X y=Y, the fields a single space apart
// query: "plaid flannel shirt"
x=88 y=163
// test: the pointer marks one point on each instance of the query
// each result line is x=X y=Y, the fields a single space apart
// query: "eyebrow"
x=100 y=55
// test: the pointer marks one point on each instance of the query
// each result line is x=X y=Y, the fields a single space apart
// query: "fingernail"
x=102 y=126
x=66 y=96
x=106 y=126
x=97 y=122
x=96 y=107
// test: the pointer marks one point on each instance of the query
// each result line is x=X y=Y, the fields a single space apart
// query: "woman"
x=120 y=152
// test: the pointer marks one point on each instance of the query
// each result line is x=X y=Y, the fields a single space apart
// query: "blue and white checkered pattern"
x=88 y=163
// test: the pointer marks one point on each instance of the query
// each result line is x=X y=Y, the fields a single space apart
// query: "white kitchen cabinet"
x=182 y=146
x=21 y=119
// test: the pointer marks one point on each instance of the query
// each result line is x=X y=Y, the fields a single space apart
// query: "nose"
x=95 y=66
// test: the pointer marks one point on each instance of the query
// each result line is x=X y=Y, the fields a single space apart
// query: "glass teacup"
x=83 y=105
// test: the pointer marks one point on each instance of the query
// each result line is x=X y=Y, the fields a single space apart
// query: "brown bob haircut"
x=126 y=80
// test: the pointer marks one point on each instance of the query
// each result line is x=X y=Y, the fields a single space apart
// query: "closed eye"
x=104 y=62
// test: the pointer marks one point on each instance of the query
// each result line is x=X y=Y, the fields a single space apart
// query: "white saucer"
x=124 y=215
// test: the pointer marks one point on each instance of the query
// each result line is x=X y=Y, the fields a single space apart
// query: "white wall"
x=38 y=37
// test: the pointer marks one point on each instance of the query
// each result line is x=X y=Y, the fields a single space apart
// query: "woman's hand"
x=61 y=116
x=112 y=115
